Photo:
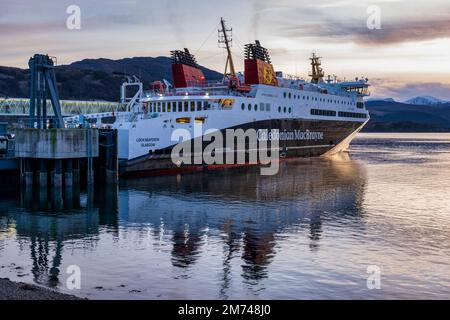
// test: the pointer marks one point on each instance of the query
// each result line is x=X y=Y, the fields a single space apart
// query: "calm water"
x=309 y=232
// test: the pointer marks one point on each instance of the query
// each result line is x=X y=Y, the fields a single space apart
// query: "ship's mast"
x=225 y=38
x=317 y=73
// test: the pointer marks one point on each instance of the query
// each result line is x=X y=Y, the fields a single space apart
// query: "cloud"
x=358 y=32
x=404 y=91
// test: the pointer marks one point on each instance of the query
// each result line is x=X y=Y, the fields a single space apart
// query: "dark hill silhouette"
x=94 y=79
x=400 y=117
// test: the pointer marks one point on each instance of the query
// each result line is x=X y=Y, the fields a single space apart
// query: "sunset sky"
x=408 y=56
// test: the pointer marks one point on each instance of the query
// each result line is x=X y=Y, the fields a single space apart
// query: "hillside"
x=94 y=79
x=400 y=117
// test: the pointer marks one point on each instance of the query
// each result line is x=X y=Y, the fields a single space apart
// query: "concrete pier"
x=58 y=149
x=28 y=175
x=43 y=174
x=68 y=174
x=57 y=174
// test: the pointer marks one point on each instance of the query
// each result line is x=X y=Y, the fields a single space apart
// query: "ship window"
x=256 y=107
x=200 y=119
x=262 y=107
x=163 y=107
x=249 y=107
x=324 y=113
x=267 y=106
x=174 y=106
x=352 y=115
x=243 y=106
x=183 y=120
x=290 y=95
x=169 y=106
x=279 y=109
x=186 y=106
x=199 y=106
x=180 y=106
x=307 y=98
x=192 y=106
x=290 y=110
x=159 y=106
x=284 y=109
x=285 y=95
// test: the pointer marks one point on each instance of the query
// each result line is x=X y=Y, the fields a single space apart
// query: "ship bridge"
x=361 y=87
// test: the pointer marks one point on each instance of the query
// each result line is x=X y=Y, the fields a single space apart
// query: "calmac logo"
x=268 y=75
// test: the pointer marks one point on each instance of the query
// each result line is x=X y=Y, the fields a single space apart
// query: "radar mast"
x=317 y=73
x=226 y=40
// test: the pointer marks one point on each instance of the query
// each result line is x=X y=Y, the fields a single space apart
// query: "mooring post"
x=42 y=173
x=111 y=157
x=57 y=174
x=28 y=176
x=76 y=171
x=68 y=174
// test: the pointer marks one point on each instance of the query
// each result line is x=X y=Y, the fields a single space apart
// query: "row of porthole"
x=249 y=107
x=284 y=109
x=319 y=99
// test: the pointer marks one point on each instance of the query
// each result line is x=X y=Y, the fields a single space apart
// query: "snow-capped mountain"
x=381 y=99
x=425 y=101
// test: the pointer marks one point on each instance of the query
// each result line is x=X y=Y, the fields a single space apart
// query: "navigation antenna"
x=317 y=73
x=226 y=41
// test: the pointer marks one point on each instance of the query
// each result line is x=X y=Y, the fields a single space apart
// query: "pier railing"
x=21 y=106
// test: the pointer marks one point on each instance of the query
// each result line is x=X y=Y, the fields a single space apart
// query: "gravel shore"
x=21 y=291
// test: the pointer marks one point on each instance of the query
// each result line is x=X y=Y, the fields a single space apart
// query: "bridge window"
x=186 y=106
x=159 y=106
x=199 y=106
x=192 y=106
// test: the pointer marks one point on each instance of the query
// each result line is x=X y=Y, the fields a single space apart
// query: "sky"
x=406 y=55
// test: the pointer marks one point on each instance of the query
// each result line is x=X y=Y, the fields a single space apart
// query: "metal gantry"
x=43 y=87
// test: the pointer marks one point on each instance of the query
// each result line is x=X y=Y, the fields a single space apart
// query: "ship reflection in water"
x=309 y=232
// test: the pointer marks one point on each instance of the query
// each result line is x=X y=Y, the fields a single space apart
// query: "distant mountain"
x=381 y=99
x=402 y=117
x=425 y=101
x=94 y=79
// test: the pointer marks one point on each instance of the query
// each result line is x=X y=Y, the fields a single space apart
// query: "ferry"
x=308 y=118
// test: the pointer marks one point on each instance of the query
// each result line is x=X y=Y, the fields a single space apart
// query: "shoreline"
x=10 y=290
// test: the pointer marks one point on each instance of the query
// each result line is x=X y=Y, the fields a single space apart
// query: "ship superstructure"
x=313 y=118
